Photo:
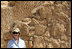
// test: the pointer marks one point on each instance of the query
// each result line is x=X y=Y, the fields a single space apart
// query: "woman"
x=16 y=42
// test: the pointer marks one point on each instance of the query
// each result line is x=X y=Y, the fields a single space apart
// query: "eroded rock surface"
x=43 y=24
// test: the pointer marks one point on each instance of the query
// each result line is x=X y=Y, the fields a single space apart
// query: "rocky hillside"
x=43 y=24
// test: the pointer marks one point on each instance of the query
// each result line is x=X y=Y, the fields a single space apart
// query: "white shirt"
x=12 y=44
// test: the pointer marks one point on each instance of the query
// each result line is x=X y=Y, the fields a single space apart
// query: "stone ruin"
x=43 y=24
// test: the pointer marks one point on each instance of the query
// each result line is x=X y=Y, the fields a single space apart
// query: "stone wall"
x=43 y=24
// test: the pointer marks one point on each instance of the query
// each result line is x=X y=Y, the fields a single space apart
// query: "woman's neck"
x=17 y=41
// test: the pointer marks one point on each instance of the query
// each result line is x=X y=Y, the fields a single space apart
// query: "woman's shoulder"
x=22 y=40
x=10 y=42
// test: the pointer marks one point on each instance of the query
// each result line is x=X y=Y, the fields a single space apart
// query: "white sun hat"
x=16 y=30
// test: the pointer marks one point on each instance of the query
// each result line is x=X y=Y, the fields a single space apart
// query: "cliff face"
x=43 y=24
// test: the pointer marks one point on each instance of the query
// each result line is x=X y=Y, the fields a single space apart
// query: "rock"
x=61 y=27
x=23 y=9
x=4 y=2
x=31 y=33
x=26 y=42
x=42 y=12
x=32 y=28
x=24 y=28
x=58 y=8
x=30 y=44
x=48 y=2
x=3 y=44
x=68 y=26
x=66 y=4
x=43 y=24
x=11 y=3
x=48 y=14
x=64 y=44
x=58 y=2
x=31 y=39
x=35 y=10
x=7 y=36
x=57 y=30
x=24 y=37
x=50 y=45
x=35 y=21
x=64 y=37
x=40 y=29
x=47 y=34
x=26 y=20
x=38 y=42
x=70 y=13
x=55 y=43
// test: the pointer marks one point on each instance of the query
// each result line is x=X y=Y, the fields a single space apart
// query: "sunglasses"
x=15 y=32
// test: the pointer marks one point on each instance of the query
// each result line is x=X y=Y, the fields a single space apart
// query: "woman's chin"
x=16 y=38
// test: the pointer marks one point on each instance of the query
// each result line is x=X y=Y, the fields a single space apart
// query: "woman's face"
x=16 y=36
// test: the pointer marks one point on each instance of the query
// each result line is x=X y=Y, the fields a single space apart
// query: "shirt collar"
x=15 y=40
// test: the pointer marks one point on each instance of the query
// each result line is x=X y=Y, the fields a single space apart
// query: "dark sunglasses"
x=15 y=32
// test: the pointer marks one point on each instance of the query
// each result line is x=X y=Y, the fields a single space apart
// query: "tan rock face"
x=4 y=2
x=38 y=42
x=30 y=44
x=43 y=24
x=39 y=29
